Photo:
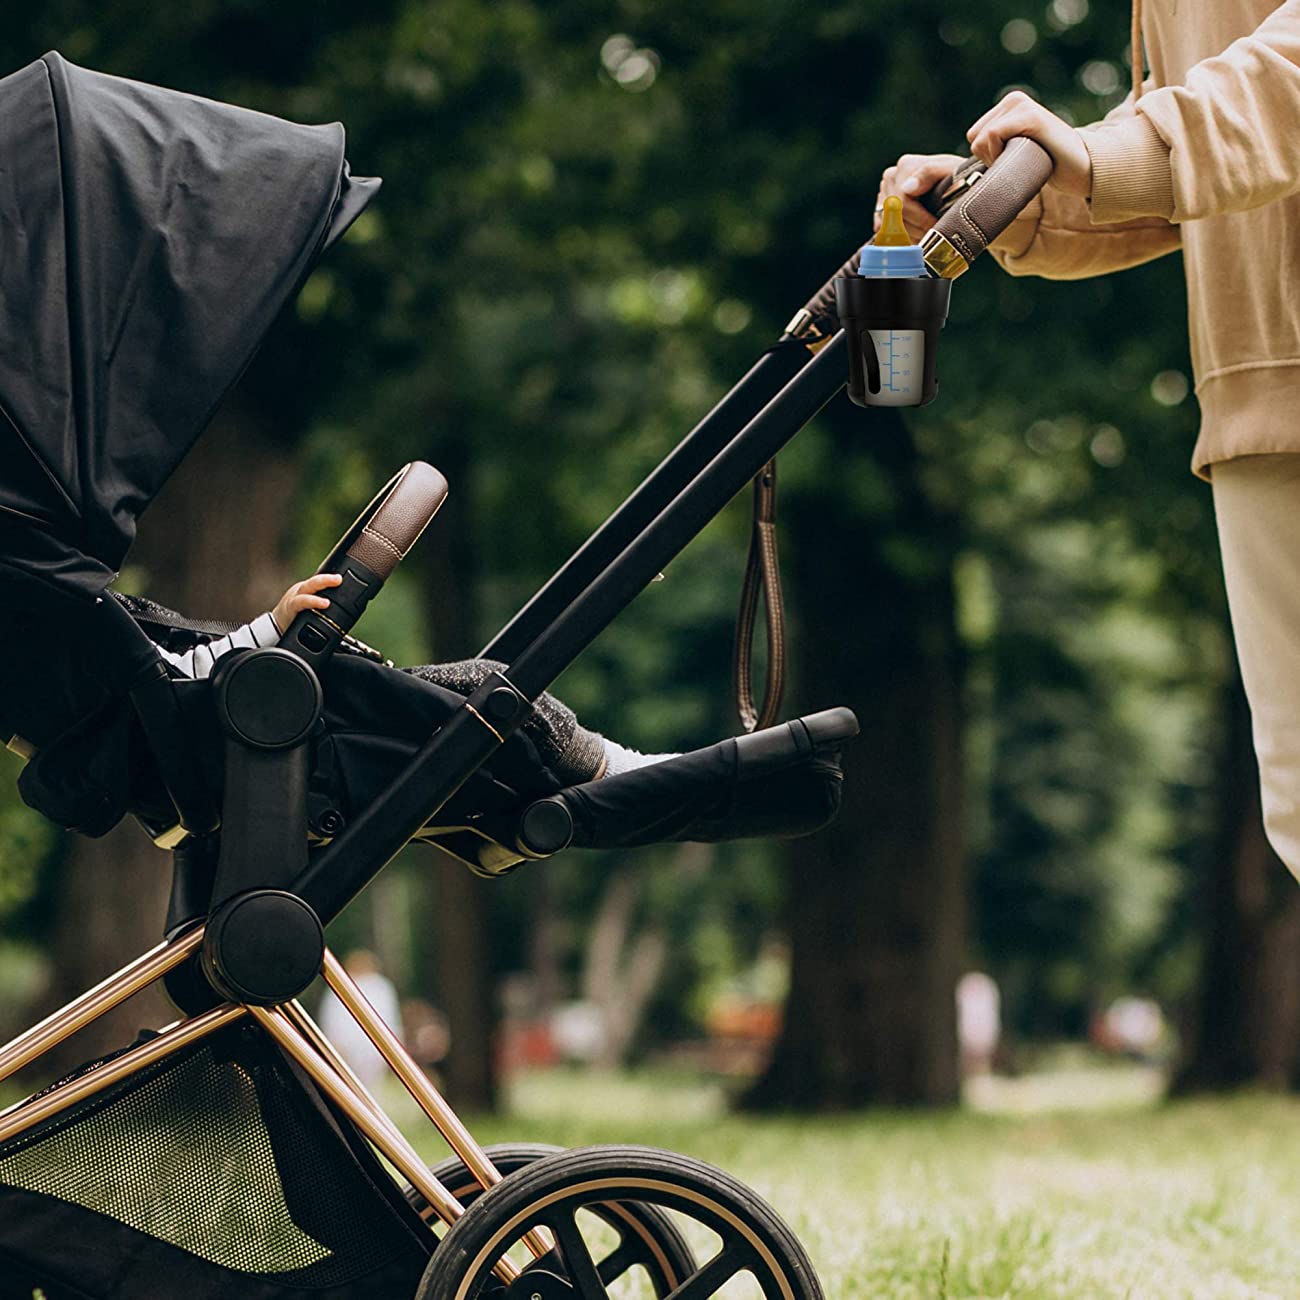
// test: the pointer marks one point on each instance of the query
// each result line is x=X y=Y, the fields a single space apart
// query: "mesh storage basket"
x=217 y=1174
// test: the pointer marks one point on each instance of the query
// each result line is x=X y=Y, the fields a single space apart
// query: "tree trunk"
x=461 y=922
x=1246 y=1028
x=877 y=902
x=622 y=970
x=543 y=945
x=466 y=988
x=210 y=547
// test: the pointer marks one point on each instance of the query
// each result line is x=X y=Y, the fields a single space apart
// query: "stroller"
x=147 y=241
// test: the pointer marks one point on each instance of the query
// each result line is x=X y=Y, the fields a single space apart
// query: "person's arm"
x=1057 y=237
x=198 y=662
x=1054 y=236
x=264 y=630
x=1224 y=141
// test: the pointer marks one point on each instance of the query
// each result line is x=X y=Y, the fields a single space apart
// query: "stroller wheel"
x=752 y=1252
x=642 y=1235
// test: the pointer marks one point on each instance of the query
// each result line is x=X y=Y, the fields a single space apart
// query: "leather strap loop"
x=762 y=576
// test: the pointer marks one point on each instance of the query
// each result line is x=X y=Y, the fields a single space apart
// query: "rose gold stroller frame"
x=297 y=1035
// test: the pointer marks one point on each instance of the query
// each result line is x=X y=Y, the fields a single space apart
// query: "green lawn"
x=1117 y=1196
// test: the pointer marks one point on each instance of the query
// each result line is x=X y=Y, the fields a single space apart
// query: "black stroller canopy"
x=148 y=239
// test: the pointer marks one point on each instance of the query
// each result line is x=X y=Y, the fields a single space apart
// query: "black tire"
x=651 y=1237
x=454 y=1174
x=550 y=1191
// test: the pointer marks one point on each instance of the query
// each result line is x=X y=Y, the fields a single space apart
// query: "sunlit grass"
x=1073 y=1185
x=1132 y=1200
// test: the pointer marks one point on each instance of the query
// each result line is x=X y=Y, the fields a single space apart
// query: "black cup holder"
x=892 y=325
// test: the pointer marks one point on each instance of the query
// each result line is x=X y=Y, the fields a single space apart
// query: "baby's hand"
x=302 y=595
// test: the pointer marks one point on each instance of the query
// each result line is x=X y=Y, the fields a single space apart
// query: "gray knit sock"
x=569 y=749
x=572 y=752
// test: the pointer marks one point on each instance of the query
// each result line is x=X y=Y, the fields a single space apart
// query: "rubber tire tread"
x=512 y=1156
x=507 y=1156
x=470 y=1233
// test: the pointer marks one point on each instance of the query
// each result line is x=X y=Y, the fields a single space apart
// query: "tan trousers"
x=1257 y=503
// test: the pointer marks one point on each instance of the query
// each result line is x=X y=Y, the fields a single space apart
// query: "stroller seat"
x=524 y=804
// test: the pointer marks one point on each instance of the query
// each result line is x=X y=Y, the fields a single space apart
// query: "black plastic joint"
x=500 y=704
x=263 y=947
x=545 y=828
x=315 y=634
x=349 y=599
x=267 y=699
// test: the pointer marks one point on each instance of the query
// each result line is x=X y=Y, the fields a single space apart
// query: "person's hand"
x=911 y=176
x=303 y=595
x=1017 y=114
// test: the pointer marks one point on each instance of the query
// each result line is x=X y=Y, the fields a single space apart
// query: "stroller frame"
x=785 y=388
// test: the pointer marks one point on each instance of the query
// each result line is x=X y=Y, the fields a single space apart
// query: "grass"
x=1080 y=1185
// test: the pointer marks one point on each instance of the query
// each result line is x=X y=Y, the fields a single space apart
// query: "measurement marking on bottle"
x=901 y=354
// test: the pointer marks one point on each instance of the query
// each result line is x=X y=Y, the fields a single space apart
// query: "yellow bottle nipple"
x=892 y=232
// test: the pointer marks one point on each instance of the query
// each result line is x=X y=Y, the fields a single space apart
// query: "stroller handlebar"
x=366 y=556
x=978 y=204
x=974 y=205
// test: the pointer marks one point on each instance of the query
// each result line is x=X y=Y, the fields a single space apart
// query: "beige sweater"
x=1207 y=156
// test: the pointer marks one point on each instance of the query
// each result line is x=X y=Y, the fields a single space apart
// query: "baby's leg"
x=569 y=749
x=1257 y=502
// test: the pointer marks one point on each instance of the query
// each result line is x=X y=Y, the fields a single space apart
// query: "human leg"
x=573 y=752
x=1257 y=505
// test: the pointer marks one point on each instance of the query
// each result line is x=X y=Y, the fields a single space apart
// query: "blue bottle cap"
x=889 y=261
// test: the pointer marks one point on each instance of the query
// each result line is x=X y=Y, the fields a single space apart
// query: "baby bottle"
x=892 y=312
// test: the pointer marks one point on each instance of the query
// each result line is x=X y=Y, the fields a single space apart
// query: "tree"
x=463 y=967
x=877 y=902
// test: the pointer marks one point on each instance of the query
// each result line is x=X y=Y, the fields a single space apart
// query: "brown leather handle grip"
x=993 y=202
x=985 y=203
x=950 y=190
x=392 y=523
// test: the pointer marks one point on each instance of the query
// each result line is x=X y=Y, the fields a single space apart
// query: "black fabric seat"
x=101 y=767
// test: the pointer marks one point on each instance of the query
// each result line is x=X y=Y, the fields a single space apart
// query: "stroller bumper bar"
x=366 y=556
x=782 y=781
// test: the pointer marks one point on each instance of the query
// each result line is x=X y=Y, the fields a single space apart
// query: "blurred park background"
x=594 y=217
